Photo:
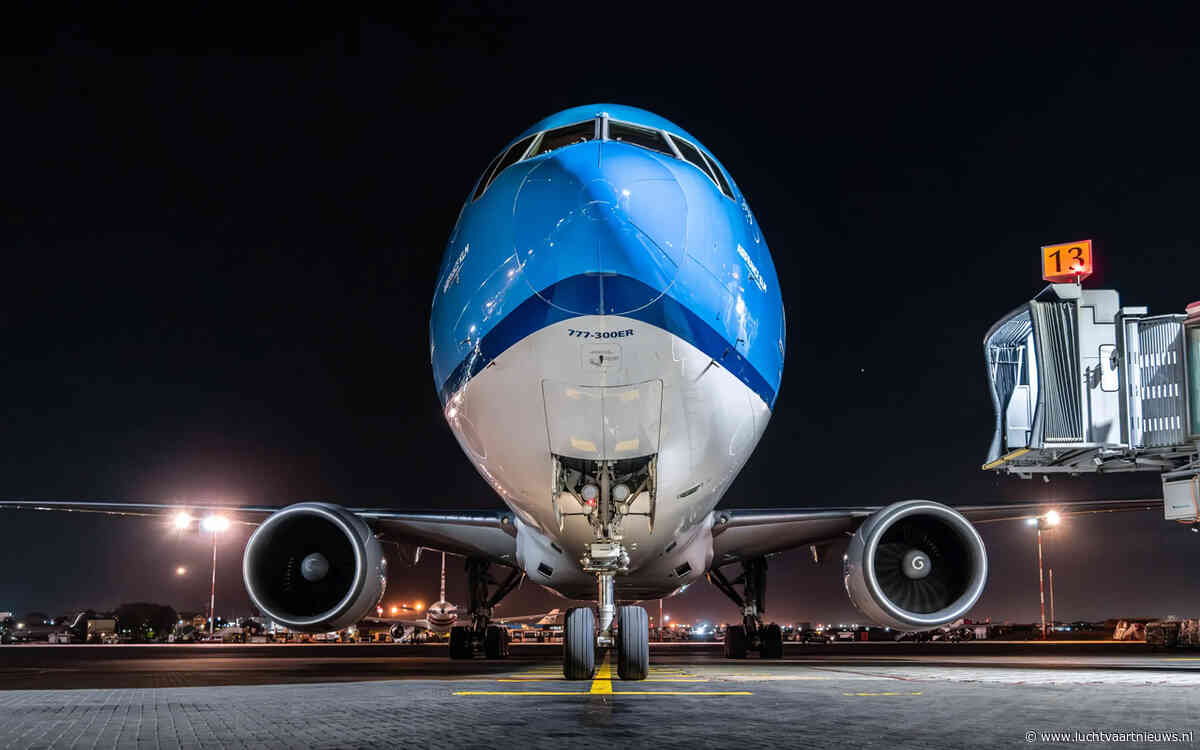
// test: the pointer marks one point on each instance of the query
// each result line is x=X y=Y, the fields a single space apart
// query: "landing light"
x=181 y=520
x=1053 y=518
x=590 y=492
x=620 y=493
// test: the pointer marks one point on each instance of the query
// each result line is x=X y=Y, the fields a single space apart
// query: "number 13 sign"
x=1070 y=261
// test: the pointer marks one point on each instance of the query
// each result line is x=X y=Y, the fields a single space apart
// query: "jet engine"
x=314 y=567
x=915 y=565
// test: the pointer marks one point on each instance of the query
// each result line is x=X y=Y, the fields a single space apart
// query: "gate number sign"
x=1068 y=262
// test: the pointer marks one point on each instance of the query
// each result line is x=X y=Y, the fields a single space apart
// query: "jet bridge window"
x=643 y=137
x=568 y=135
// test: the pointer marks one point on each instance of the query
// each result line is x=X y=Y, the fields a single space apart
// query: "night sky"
x=220 y=245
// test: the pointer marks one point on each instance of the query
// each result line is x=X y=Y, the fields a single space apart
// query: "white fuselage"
x=609 y=387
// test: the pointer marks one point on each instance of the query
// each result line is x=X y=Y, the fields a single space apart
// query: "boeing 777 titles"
x=607 y=339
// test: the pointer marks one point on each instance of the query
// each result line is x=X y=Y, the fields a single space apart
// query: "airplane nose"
x=598 y=214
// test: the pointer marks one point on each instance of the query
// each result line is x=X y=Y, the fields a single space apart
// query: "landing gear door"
x=603 y=422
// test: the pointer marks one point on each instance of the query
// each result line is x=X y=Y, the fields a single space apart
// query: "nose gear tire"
x=633 y=643
x=579 y=644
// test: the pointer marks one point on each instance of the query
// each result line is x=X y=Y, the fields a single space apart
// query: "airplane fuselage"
x=608 y=303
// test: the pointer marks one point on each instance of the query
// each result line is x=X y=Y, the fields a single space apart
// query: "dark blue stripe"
x=620 y=293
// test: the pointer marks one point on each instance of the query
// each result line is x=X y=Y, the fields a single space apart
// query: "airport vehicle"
x=607 y=341
x=812 y=636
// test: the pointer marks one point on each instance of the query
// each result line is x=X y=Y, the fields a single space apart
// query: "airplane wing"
x=744 y=534
x=542 y=618
x=490 y=534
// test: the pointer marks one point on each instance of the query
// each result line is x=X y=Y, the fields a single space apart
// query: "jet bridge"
x=1080 y=384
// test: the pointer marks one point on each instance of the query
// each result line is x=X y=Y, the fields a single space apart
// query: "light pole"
x=1052 y=597
x=214 y=524
x=660 y=621
x=1048 y=521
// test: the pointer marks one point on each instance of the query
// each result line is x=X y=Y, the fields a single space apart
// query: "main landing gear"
x=752 y=634
x=481 y=634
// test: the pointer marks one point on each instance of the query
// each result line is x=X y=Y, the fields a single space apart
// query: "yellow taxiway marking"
x=878 y=694
x=1182 y=658
x=560 y=679
x=602 y=684
x=683 y=692
x=514 y=692
x=704 y=693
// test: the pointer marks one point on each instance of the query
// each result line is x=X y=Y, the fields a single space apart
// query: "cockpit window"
x=692 y=155
x=503 y=162
x=644 y=137
x=716 y=168
x=567 y=135
x=487 y=177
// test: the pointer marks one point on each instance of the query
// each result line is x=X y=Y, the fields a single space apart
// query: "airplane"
x=607 y=339
x=439 y=618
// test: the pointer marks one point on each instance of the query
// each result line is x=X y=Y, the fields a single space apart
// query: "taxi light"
x=182 y=520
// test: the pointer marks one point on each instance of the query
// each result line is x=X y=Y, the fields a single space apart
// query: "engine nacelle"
x=314 y=567
x=915 y=565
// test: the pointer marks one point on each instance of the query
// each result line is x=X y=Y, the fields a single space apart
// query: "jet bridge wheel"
x=460 y=642
x=735 y=642
x=633 y=643
x=579 y=644
x=495 y=642
x=772 y=642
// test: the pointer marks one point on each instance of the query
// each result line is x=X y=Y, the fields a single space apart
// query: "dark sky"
x=220 y=237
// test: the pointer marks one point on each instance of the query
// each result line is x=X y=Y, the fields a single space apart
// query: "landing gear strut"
x=752 y=634
x=481 y=634
x=605 y=491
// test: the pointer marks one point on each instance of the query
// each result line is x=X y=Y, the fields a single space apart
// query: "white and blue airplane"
x=607 y=339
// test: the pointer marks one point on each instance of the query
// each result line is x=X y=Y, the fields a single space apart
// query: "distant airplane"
x=440 y=616
x=607 y=340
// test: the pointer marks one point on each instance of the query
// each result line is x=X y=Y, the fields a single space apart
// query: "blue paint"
x=666 y=313
x=608 y=228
